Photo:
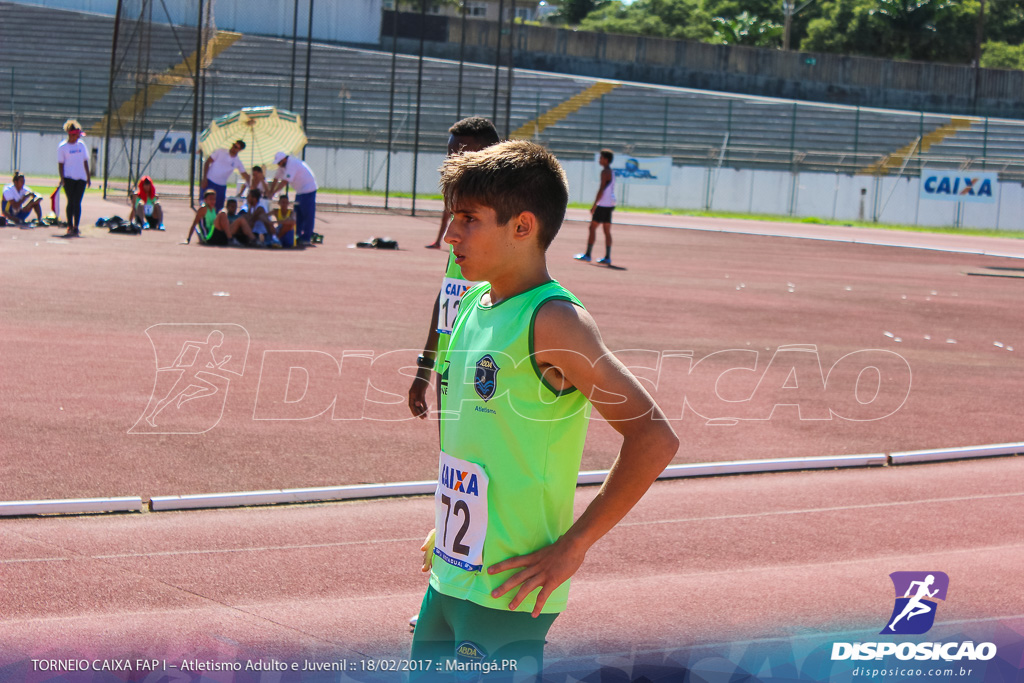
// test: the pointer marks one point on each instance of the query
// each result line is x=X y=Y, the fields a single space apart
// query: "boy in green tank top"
x=524 y=362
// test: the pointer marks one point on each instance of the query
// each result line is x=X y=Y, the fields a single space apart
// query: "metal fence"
x=377 y=120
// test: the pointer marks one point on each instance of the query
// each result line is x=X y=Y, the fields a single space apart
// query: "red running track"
x=78 y=370
x=697 y=562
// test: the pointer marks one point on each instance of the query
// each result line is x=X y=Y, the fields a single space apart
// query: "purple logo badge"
x=917 y=596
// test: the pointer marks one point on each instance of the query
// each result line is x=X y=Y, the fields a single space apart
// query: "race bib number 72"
x=460 y=513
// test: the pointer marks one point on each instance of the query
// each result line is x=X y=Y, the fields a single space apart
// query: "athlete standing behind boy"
x=468 y=135
x=601 y=211
x=524 y=361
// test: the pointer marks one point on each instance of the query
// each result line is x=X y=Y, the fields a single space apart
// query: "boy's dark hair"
x=510 y=177
x=476 y=127
x=255 y=192
x=257 y=168
x=607 y=154
x=240 y=143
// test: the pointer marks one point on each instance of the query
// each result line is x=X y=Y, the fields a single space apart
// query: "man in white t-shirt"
x=218 y=169
x=19 y=201
x=297 y=173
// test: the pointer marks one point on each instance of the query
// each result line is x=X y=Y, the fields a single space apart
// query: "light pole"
x=789 y=8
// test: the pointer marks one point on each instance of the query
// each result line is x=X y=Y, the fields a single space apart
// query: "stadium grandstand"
x=350 y=92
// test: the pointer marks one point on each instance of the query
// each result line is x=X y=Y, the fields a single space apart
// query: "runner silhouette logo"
x=917 y=596
x=195 y=364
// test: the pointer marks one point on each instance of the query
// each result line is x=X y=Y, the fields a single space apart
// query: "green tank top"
x=209 y=218
x=452 y=289
x=510 y=449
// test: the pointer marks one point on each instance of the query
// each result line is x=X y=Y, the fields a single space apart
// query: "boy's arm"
x=279 y=180
x=195 y=221
x=206 y=167
x=568 y=342
x=418 y=389
x=606 y=179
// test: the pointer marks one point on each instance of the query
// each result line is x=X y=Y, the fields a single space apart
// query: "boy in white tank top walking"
x=601 y=211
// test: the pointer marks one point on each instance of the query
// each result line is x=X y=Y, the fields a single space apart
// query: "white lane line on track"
x=901 y=557
x=213 y=551
x=924 y=501
x=750 y=232
x=415 y=596
x=311 y=546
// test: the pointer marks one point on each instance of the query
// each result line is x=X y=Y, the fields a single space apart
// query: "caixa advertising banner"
x=172 y=142
x=631 y=170
x=959 y=186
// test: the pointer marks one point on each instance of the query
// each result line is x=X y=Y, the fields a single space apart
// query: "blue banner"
x=959 y=186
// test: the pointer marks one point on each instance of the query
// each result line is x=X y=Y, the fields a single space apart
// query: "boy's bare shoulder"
x=562 y=325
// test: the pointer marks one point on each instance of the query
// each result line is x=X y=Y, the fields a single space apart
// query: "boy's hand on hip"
x=428 y=551
x=547 y=569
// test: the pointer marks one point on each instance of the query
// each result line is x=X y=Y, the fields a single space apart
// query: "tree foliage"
x=573 y=12
x=665 y=18
x=932 y=30
x=999 y=55
x=747 y=29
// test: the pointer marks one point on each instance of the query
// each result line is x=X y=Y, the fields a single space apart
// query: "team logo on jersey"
x=917 y=594
x=471 y=652
x=485 y=380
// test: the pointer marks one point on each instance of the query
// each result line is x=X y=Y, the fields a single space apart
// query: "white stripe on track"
x=211 y=551
x=804 y=511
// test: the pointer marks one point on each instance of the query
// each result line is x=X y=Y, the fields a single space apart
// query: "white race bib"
x=460 y=513
x=448 y=303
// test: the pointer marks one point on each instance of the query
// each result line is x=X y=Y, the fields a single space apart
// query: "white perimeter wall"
x=822 y=195
x=347 y=21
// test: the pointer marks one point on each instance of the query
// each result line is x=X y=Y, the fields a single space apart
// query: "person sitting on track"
x=284 y=218
x=146 y=209
x=19 y=201
x=231 y=209
x=258 y=221
x=213 y=227
x=258 y=181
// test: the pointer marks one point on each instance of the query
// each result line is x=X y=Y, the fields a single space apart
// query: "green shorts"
x=466 y=641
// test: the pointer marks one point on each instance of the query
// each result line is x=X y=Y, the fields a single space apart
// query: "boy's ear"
x=525 y=225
